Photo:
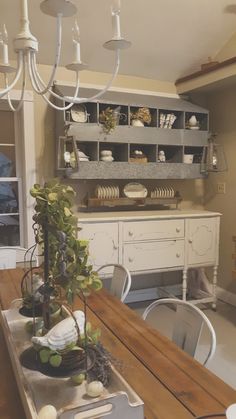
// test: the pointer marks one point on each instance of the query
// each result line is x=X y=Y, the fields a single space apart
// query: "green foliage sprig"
x=108 y=117
x=68 y=268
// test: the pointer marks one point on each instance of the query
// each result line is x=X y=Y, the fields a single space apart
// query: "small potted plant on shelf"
x=109 y=118
x=141 y=117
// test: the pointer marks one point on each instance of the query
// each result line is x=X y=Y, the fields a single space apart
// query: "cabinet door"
x=103 y=242
x=202 y=241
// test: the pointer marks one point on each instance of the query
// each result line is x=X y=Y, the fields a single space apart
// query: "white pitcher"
x=192 y=121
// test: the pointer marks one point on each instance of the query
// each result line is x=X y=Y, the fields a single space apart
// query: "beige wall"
x=228 y=50
x=217 y=92
x=222 y=107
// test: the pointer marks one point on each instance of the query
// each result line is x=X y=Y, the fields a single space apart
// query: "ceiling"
x=169 y=38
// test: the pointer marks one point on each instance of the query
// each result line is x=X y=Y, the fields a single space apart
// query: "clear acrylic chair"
x=187 y=325
x=120 y=279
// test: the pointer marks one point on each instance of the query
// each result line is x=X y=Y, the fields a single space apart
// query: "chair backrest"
x=7 y=257
x=188 y=324
x=11 y=256
x=120 y=281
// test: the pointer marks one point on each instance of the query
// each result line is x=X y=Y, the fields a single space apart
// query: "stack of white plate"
x=107 y=192
x=165 y=192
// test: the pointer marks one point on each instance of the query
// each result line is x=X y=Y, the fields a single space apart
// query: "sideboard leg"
x=184 y=285
x=214 y=282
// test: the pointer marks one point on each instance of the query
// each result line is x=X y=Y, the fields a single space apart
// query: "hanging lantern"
x=213 y=157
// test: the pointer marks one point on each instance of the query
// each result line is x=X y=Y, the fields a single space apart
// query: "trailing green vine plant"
x=68 y=271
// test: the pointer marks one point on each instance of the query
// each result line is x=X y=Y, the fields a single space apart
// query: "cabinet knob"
x=178 y=229
x=190 y=240
x=178 y=255
x=131 y=259
x=131 y=233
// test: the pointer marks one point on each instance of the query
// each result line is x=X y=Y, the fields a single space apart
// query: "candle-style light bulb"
x=116 y=6
x=5 y=34
x=115 y=13
x=76 y=32
x=76 y=42
x=4 y=45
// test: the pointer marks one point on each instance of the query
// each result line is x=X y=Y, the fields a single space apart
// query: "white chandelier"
x=26 y=48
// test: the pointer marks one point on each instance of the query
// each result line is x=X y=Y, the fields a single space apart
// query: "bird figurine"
x=161 y=156
x=63 y=333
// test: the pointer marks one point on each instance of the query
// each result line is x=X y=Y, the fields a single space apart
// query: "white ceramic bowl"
x=188 y=158
x=107 y=158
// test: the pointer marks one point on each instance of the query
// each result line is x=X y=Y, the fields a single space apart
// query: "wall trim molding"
x=122 y=89
x=134 y=91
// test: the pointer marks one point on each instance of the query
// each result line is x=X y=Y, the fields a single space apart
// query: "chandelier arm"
x=57 y=59
x=36 y=80
x=39 y=80
x=17 y=76
x=108 y=85
x=58 y=108
x=36 y=84
x=73 y=99
x=19 y=106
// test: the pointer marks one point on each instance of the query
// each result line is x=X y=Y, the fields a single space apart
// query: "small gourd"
x=47 y=412
x=94 y=389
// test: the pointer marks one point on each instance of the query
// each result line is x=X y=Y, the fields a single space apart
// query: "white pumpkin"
x=47 y=412
x=94 y=389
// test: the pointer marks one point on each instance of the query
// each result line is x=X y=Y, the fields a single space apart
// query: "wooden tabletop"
x=172 y=384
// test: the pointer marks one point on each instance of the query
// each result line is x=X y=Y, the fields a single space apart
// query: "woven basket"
x=140 y=160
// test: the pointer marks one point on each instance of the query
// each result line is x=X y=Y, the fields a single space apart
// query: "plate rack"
x=136 y=202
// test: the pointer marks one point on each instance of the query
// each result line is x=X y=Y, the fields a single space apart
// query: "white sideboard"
x=155 y=241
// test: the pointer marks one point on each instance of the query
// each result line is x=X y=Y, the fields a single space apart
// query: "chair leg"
x=184 y=285
x=214 y=282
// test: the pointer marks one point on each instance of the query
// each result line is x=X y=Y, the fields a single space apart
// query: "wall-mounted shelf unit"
x=168 y=131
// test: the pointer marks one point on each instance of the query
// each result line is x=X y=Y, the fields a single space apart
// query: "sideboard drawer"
x=153 y=230
x=141 y=256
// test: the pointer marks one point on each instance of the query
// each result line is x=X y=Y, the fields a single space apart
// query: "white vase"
x=192 y=121
x=137 y=123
